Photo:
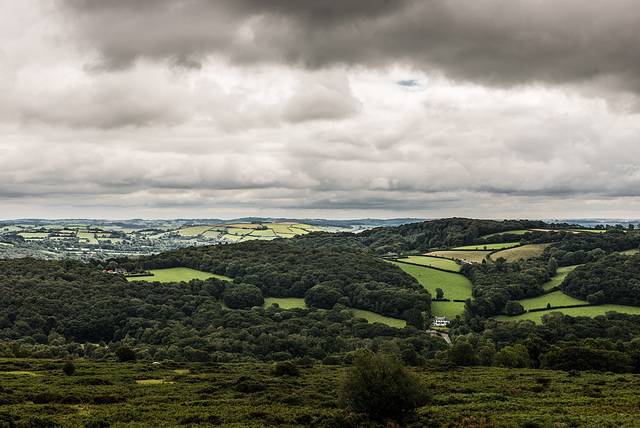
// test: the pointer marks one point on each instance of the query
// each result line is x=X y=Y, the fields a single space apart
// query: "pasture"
x=285 y=302
x=436 y=262
x=455 y=286
x=510 y=232
x=488 y=246
x=373 y=317
x=524 y=252
x=447 y=309
x=561 y=274
x=584 y=311
x=556 y=298
x=472 y=256
x=177 y=275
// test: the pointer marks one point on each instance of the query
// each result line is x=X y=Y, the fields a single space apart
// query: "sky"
x=319 y=108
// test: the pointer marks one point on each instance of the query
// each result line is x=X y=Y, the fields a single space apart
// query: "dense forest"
x=611 y=279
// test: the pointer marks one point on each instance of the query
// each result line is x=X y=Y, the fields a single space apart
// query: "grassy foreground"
x=142 y=394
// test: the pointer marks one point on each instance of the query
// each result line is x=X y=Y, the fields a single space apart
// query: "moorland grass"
x=177 y=275
x=142 y=394
x=472 y=256
x=524 y=252
x=455 y=286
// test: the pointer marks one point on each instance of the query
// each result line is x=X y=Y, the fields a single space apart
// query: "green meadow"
x=285 y=302
x=177 y=275
x=524 y=252
x=447 y=309
x=584 y=311
x=556 y=298
x=433 y=262
x=472 y=256
x=559 y=277
x=455 y=286
x=510 y=232
x=373 y=317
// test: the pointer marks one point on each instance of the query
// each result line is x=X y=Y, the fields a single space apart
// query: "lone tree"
x=439 y=293
x=124 y=353
x=69 y=368
x=382 y=387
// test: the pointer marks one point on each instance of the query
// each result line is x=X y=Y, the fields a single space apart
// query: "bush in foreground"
x=382 y=387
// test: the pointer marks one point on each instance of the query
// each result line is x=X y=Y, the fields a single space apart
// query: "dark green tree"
x=124 y=353
x=439 y=293
x=414 y=318
x=552 y=266
x=382 y=387
x=69 y=368
x=514 y=308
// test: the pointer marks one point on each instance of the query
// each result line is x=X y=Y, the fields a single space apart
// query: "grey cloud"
x=495 y=42
x=327 y=97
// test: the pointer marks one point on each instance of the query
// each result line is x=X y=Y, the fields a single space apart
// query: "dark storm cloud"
x=495 y=42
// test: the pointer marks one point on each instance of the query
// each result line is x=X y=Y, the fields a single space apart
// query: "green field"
x=177 y=275
x=472 y=256
x=586 y=311
x=511 y=232
x=561 y=274
x=488 y=246
x=525 y=252
x=193 y=231
x=88 y=237
x=447 y=309
x=455 y=286
x=373 y=317
x=436 y=262
x=285 y=302
x=556 y=298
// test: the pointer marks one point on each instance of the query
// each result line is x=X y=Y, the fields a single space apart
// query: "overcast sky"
x=319 y=108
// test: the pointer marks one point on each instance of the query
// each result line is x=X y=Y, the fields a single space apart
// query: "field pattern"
x=524 y=252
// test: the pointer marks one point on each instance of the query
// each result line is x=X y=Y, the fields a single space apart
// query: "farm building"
x=440 y=322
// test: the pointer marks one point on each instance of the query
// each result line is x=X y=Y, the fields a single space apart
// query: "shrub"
x=285 y=368
x=124 y=353
x=382 y=387
x=69 y=368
